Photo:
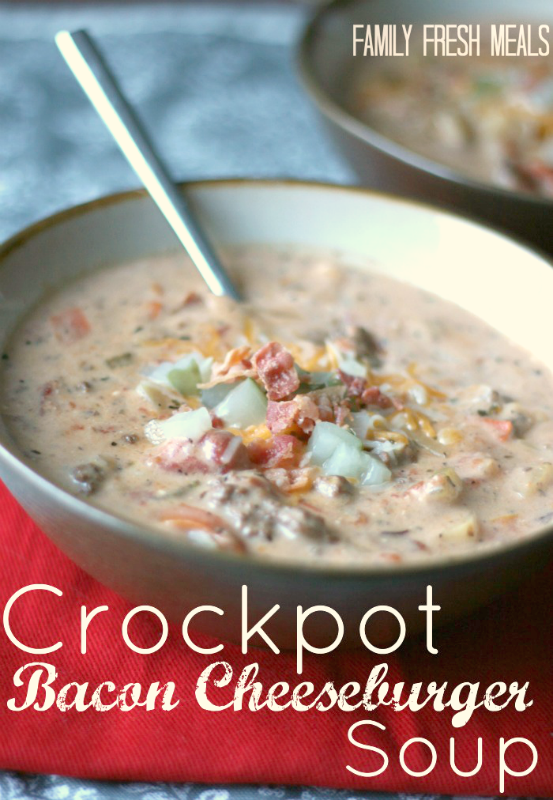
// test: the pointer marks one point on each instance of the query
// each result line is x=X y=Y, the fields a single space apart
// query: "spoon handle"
x=95 y=78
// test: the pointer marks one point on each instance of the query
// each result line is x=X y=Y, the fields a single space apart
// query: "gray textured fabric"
x=216 y=87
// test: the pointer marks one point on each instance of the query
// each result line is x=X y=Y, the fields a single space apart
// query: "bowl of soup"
x=460 y=116
x=375 y=417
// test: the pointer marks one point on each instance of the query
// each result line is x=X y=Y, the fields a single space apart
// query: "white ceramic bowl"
x=456 y=259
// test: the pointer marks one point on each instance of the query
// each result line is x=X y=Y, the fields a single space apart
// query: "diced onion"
x=244 y=405
x=364 y=421
x=345 y=461
x=216 y=394
x=191 y=425
x=185 y=380
x=349 y=462
x=160 y=374
x=155 y=395
x=361 y=423
x=326 y=437
x=376 y=471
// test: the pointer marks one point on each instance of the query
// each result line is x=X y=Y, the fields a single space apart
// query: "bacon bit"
x=372 y=396
x=281 y=417
x=237 y=364
x=292 y=416
x=369 y=395
x=153 y=309
x=239 y=357
x=502 y=428
x=157 y=288
x=326 y=407
x=280 y=451
x=217 y=451
x=275 y=367
x=179 y=456
x=342 y=413
x=355 y=386
x=224 y=450
x=70 y=326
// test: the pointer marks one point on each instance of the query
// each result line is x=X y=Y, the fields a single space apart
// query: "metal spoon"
x=95 y=78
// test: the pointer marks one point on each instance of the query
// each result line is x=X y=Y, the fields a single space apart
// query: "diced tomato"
x=292 y=416
x=275 y=367
x=70 y=326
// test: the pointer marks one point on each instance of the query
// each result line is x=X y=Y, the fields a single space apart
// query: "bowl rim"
x=355 y=126
x=150 y=536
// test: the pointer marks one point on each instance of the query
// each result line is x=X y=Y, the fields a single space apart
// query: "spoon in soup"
x=100 y=86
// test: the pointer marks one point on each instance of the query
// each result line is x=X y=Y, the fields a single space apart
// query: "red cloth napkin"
x=509 y=641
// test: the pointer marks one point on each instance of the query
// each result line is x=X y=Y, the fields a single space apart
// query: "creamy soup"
x=336 y=415
x=490 y=118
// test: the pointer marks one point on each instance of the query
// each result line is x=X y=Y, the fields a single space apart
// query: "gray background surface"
x=214 y=84
x=216 y=87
